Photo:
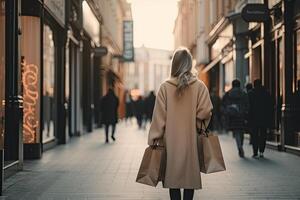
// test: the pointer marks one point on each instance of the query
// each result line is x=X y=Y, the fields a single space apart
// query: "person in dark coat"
x=149 y=105
x=139 y=111
x=249 y=87
x=235 y=106
x=128 y=106
x=109 y=107
x=260 y=116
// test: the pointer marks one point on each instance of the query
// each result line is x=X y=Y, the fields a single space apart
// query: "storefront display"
x=30 y=67
x=48 y=85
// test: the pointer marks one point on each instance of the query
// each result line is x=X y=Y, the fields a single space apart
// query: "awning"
x=212 y=63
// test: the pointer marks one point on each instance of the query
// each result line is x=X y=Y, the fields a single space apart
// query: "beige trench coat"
x=176 y=121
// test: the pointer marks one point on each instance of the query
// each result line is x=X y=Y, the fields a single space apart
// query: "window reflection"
x=298 y=55
x=48 y=85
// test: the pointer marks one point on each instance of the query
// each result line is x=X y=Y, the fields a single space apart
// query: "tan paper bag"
x=152 y=167
x=210 y=154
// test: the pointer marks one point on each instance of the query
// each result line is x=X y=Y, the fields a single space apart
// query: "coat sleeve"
x=204 y=107
x=157 y=127
x=246 y=104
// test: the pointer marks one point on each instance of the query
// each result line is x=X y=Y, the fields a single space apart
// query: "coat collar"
x=174 y=80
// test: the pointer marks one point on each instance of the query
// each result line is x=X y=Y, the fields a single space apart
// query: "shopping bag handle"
x=157 y=143
x=204 y=131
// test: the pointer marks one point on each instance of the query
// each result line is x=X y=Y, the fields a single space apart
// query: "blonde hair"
x=181 y=68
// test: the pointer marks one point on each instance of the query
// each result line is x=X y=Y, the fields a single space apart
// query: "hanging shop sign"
x=57 y=9
x=90 y=23
x=128 y=50
x=256 y=13
x=100 y=51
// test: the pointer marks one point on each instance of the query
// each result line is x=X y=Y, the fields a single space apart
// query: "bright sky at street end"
x=154 y=22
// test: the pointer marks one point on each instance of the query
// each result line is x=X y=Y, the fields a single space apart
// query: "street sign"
x=100 y=51
x=256 y=13
x=128 y=50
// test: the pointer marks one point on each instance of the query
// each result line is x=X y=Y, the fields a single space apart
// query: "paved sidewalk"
x=88 y=169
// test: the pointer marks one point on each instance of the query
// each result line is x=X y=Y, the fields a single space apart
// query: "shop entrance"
x=74 y=110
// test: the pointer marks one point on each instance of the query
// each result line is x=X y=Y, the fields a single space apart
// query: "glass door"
x=75 y=90
x=67 y=92
x=48 y=86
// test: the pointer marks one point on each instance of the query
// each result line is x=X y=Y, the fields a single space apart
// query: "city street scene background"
x=65 y=63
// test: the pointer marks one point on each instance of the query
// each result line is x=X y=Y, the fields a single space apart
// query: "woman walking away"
x=182 y=103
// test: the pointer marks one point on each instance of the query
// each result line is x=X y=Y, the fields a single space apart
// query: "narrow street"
x=88 y=169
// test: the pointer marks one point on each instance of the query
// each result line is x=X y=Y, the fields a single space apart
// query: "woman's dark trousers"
x=175 y=194
x=113 y=128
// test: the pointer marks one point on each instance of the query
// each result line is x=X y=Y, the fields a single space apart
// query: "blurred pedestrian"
x=215 y=123
x=149 y=106
x=181 y=102
x=236 y=107
x=109 y=108
x=260 y=116
x=249 y=87
x=140 y=111
x=128 y=106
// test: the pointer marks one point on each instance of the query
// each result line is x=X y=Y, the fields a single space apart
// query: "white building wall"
x=202 y=55
x=152 y=66
x=141 y=83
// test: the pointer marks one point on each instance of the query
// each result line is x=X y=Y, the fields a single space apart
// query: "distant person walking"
x=149 y=105
x=109 y=108
x=236 y=107
x=128 y=106
x=260 y=116
x=181 y=104
x=140 y=111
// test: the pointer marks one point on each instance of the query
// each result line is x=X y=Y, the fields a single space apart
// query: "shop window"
x=30 y=66
x=2 y=71
x=298 y=56
x=296 y=95
x=280 y=65
x=229 y=75
x=256 y=64
x=48 y=85
x=277 y=54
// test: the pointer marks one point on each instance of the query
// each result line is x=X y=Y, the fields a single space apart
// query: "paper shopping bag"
x=210 y=154
x=152 y=167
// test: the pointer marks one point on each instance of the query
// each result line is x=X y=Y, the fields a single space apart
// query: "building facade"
x=50 y=74
x=195 y=28
x=150 y=68
x=229 y=47
x=11 y=151
x=114 y=14
x=274 y=58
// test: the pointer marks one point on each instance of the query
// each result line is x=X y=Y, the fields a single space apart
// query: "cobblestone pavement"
x=88 y=169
